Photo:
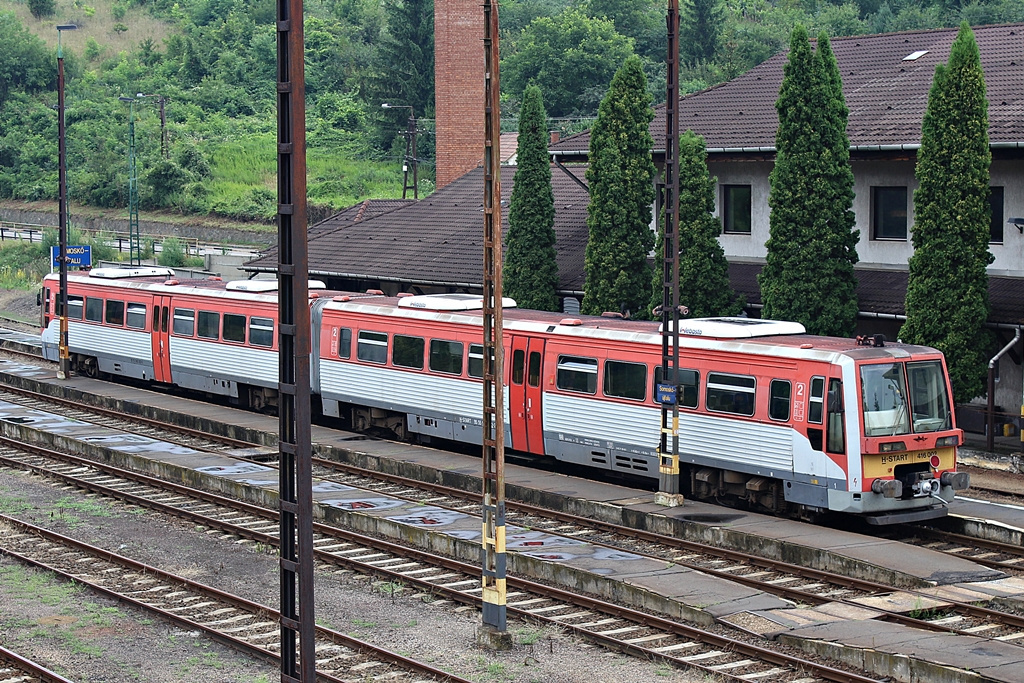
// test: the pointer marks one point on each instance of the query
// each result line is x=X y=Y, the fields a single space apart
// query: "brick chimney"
x=458 y=87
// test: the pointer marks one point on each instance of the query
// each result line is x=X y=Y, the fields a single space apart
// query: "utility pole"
x=134 y=240
x=64 y=367
x=410 y=152
x=162 y=101
x=668 y=391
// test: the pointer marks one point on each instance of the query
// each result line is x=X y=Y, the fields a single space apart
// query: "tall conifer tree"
x=947 y=291
x=808 y=275
x=621 y=192
x=703 y=270
x=531 y=273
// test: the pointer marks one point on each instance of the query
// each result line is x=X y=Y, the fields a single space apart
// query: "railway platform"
x=839 y=630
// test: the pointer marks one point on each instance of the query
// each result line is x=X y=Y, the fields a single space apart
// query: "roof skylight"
x=915 y=55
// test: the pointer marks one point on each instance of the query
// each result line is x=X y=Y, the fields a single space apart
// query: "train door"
x=524 y=389
x=161 y=339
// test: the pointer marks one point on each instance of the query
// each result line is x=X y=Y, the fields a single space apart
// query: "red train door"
x=524 y=392
x=161 y=339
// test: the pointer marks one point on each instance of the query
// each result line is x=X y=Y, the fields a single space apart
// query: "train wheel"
x=89 y=367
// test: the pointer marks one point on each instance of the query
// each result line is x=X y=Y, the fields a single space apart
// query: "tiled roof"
x=883 y=291
x=439 y=239
x=885 y=93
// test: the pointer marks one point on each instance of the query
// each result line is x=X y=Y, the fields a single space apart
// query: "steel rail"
x=707 y=638
x=234 y=600
x=32 y=668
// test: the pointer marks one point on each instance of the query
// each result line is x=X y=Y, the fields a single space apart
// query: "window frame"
x=379 y=339
x=132 y=313
x=235 y=328
x=204 y=325
x=406 y=344
x=714 y=383
x=191 y=317
x=729 y=209
x=998 y=218
x=607 y=375
x=93 y=309
x=76 y=301
x=111 y=316
x=563 y=366
x=447 y=370
x=878 y=218
x=772 y=398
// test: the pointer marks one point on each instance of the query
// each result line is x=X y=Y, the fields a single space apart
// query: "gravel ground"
x=90 y=638
x=19 y=305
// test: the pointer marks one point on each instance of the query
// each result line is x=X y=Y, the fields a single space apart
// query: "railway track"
x=443 y=579
x=17 y=669
x=801 y=585
x=244 y=625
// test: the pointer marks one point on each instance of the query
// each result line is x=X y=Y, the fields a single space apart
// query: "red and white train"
x=785 y=421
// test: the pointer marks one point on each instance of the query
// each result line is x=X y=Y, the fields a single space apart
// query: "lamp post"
x=64 y=367
x=134 y=243
x=410 y=157
x=162 y=101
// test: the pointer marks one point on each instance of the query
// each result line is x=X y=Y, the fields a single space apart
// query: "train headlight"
x=892 y=446
x=947 y=441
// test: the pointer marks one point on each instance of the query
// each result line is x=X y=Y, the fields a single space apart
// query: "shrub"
x=42 y=8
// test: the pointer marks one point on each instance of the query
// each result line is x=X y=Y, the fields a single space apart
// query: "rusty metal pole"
x=493 y=551
x=64 y=366
x=296 y=475
x=668 y=391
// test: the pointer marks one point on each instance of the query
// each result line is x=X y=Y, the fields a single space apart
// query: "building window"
x=736 y=209
x=995 y=200
x=889 y=213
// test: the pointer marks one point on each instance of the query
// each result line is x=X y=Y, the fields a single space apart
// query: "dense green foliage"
x=703 y=270
x=808 y=274
x=620 y=176
x=947 y=291
x=530 y=270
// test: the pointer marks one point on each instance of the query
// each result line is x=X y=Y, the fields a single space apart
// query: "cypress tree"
x=621 y=192
x=531 y=273
x=947 y=290
x=703 y=270
x=808 y=275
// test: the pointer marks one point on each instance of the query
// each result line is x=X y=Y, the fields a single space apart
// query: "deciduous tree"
x=808 y=275
x=621 y=192
x=531 y=273
x=947 y=291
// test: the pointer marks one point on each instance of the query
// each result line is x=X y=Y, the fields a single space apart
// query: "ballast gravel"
x=89 y=638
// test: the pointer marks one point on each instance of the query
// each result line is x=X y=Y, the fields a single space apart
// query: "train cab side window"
x=372 y=347
x=730 y=394
x=816 y=407
x=94 y=309
x=184 y=322
x=115 y=313
x=344 y=337
x=475 y=366
x=136 y=318
x=625 y=380
x=446 y=356
x=779 y=396
x=577 y=374
x=518 y=366
x=408 y=352
x=835 y=436
x=209 y=325
x=234 y=328
x=76 y=305
x=261 y=332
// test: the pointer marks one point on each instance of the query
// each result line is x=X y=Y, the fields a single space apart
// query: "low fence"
x=30 y=232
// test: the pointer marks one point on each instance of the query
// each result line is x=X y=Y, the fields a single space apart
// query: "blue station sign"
x=78 y=256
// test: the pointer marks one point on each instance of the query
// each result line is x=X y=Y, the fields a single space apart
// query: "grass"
x=24 y=584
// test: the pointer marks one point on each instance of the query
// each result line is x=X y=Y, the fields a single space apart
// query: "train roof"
x=750 y=335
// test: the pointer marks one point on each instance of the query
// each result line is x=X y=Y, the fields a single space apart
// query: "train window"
x=446 y=356
x=93 y=309
x=817 y=401
x=343 y=336
x=730 y=394
x=234 y=328
x=688 y=385
x=76 y=305
x=835 y=439
x=625 y=380
x=372 y=347
x=209 y=325
x=115 y=313
x=261 y=332
x=518 y=366
x=928 y=396
x=408 y=352
x=533 y=372
x=780 y=393
x=136 y=317
x=883 y=389
x=475 y=366
x=577 y=374
x=184 y=321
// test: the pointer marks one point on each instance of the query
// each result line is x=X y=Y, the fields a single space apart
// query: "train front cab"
x=904 y=423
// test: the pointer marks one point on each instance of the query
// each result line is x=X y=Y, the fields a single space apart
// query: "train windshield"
x=890 y=409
